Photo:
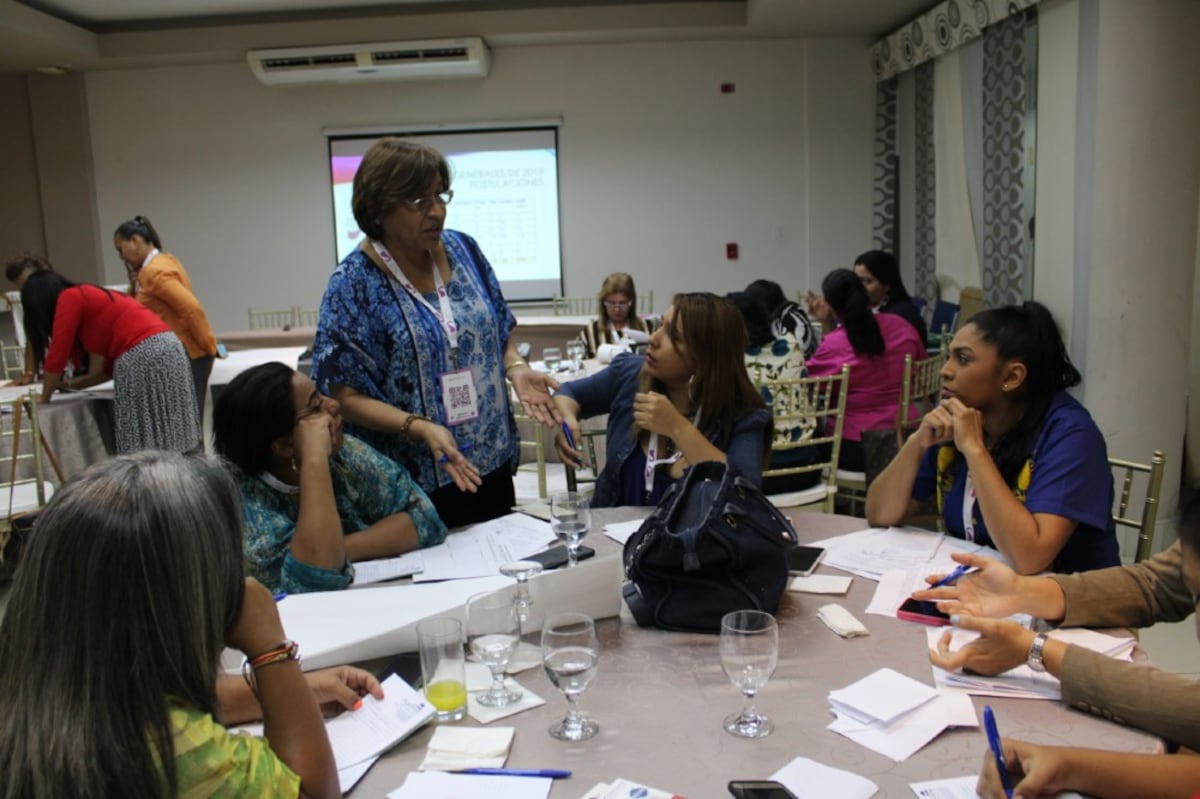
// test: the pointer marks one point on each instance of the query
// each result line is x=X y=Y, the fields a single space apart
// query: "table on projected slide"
x=660 y=698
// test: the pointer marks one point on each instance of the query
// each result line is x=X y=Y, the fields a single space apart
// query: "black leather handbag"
x=713 y=545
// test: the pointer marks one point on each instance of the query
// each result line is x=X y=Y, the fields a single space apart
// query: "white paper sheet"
x=1022 y=682
x=620 y=531
x=349 y=777
x=961 y=788
x=809 y=779
x=427 y=784
x=479 y=550
x=884 y=696
x=872 y=552
x=903 y=737
x=367 y=572
x=894 y=587
x=820 y=584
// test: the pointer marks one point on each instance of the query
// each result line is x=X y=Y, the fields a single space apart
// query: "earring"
x=295 y=468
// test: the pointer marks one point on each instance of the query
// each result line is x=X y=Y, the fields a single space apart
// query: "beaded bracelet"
x=285 y=651
x=412 y=417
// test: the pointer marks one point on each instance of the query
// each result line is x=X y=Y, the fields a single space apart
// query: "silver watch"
x=1035 y=660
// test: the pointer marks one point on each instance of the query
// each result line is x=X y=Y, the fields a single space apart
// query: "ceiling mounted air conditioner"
x=434 y=58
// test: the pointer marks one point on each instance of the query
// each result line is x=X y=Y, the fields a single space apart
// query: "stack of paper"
x=620 y=531
x=809 y=779
x=1022 y=682
x=360 y=736
x=426 y=784
x=962 y=788
x=896 y=715
x=870 y=553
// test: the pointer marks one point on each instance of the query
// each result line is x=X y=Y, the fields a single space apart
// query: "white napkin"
x=457 y=748
x=486 y=715
x=841 y=621
x=820 y=584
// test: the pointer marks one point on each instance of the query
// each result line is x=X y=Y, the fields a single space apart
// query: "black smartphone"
x=803 y=560
x=759 y=789
x=554 y=557
x=922 y=613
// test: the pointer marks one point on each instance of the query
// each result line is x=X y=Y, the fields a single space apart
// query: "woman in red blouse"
x=68 y=325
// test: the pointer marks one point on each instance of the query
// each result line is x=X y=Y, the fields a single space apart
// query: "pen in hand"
x=993 y=736
x=952 y=577
x=570 y=438
x=467 y=447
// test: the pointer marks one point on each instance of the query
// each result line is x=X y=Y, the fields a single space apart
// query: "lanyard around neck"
x=652 y=459
x=445 y=315
x=274 y=482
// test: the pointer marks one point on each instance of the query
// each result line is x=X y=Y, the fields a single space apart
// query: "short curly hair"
x=393 y=170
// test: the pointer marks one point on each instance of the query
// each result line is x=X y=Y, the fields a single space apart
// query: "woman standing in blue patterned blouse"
x=314 y=500
x=413 y=340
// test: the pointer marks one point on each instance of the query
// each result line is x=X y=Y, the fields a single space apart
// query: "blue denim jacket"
x=612 y=391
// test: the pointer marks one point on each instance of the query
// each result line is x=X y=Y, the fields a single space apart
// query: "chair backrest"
x=573 y=306
x=305 y=317
x=943 y=318
x=922 y=383
x=970 y=302
x=1125 y=471
x=645 y=303
x=23 y=485
x=812 y=403
x=272 y=320
x=588 y=444
x=532 y=438
x=13 y=358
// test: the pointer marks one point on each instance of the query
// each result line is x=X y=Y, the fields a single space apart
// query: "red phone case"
x=922 y=618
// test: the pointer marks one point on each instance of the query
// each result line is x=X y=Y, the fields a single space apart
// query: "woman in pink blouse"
x=874 y=346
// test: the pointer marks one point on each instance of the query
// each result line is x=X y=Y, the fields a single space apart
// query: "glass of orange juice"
x=443 y=667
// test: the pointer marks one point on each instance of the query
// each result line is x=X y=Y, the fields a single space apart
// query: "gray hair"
x=131 y=578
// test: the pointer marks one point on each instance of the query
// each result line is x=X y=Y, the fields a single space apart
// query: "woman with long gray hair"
x=128 y=592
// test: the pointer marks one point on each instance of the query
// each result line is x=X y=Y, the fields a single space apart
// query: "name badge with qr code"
x=459 y=397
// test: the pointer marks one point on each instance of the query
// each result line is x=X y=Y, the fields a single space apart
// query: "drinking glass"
x=443 y=668
x=492 y=633
x=576 y=351
x=749 y=654
x=552 y=357
x=570 y=656
x=570 y=519
x=529 y=614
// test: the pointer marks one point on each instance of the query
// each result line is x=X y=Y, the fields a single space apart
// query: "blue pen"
x=993 y=736
x=467 y=447
x=570 y=438
x=280 y=596
x=952 y=577
x=552 y=773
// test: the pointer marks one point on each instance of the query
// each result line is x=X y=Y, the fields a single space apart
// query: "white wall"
x=658 y=169
x=1117 y=213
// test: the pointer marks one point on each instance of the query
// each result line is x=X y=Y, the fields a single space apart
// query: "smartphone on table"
x=759 y=789
x=922 y=613
x=802 y=561
x=554 y=557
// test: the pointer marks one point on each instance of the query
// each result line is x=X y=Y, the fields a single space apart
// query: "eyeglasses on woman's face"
x=422 y=205
x=617 y=305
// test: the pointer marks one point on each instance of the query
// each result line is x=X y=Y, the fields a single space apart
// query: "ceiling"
x=83 y=35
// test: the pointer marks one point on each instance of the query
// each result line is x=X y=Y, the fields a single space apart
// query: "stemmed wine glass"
x=492 y=634
x=528 y=613
x=571 y=656
x=552 y=357
x=570 y=519
x=749 y=654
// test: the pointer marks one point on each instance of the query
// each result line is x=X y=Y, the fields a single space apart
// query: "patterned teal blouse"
x=367 y=487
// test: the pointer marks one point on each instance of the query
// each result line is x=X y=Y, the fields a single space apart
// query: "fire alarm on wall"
x=728 y=88
x=731 y=251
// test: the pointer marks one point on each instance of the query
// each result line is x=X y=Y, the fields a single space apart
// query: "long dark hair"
x=758 y=323
x=256 y=408
x=120 y=606
x=1029 y=334
x=846 y=296
x=138 y=226
x=769 y=294
x=885 y=269
x=714 y=337
x=39 y=297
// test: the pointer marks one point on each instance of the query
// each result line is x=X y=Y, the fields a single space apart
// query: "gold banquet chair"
x=23 y=480
x=13 y=356
x=922 y=384
x=818 y=403
x=272 y=320
x=305 y=317
x=573 y=306
x=1154 y=477
x=533 y=439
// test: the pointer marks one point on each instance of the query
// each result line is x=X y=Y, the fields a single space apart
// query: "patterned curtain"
x=949 y=25
x=884 y=222
x=1008 y=195
x=925 y=186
